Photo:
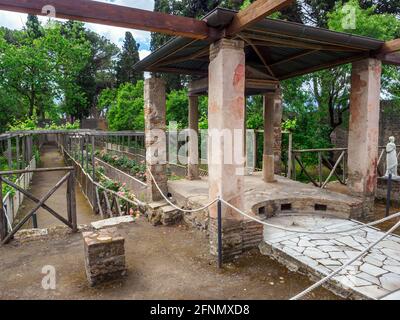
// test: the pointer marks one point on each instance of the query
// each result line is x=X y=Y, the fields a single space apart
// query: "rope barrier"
x=371 y=224
x=331 y=275
x=362 y=254
x=351 y=261
x=308 y=231
x=173 y=205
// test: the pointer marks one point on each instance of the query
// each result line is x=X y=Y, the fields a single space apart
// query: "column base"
x=269 y=168
x=237 y=237
x=367 y=211
x=160 y=175
x=193 y=173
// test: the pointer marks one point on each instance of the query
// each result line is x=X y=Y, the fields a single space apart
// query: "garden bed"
x=134 y=185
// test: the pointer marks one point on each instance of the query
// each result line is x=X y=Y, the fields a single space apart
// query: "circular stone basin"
x=305 y=221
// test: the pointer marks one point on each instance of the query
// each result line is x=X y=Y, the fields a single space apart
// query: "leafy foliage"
x=127 y=59
x=177 y=107
x=130 y=166
x=126 y=112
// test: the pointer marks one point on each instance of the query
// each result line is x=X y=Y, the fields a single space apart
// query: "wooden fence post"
x=290 y=160
x=3 y=219
x=320 y=168
x=17 y=153
x=71 y=201
x=9 y=153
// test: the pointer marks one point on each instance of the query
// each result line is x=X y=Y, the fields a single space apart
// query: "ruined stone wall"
x=381 y=191
x=94 y=124
x=389 y=125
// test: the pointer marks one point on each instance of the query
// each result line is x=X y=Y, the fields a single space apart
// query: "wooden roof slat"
x=296 y=43
x=327 y=65
x=260 y=56
x=193 y=56
x=115 y=15
x=257 y=11
x=293 y=57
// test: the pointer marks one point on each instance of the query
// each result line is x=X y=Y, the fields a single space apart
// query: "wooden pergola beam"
x=257 y=11
x=114 y=15
x=390 y=47
x=390 y=58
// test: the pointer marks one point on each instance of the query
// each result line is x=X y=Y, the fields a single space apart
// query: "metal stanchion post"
x=389 y=193
x=219 y=204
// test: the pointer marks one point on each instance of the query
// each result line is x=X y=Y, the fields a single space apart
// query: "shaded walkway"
x=42 y=182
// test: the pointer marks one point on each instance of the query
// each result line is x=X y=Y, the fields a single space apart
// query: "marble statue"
x=391 y=158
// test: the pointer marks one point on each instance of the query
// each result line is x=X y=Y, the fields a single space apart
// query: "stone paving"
x=376 y=276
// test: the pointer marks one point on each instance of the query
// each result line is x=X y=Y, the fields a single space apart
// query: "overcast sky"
x=14 y=20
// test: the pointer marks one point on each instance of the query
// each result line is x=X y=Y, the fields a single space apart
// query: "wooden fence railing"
x=323 y=161
x=337 y=169
x=103 y=201
x=71 y=222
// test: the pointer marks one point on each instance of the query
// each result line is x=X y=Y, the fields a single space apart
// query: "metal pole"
x=34 y=221
x=389 y=192
x=219 y=234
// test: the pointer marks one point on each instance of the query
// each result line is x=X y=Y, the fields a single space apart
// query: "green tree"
x=127 y=112
x=127 y=59
x=106 y=99
x=69 y=52
x=34 y=29
x=177 y=107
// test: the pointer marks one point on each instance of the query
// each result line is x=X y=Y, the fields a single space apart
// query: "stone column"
x=278 y=131
x=155 y=135
x=193 y=148
x=268 y=155
x=364 y=130
x=226 y=111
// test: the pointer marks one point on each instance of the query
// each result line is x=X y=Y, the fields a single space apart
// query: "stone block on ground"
x=112 y=222
x=104 y=255
x=160 y=213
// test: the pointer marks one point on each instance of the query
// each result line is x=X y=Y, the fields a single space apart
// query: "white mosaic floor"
x=376 y=276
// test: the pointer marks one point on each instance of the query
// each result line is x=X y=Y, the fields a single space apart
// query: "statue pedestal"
x=381 y=191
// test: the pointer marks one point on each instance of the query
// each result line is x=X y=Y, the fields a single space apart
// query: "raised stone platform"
x=270 y=199
x=262 y=200
x=376 y=276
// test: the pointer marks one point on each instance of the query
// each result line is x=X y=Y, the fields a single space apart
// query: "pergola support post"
x=364 y=131
x=193 y=150
x=155 y=135
x=272 y=135
x=278 y=114
x=226 y=161
x=268 y=155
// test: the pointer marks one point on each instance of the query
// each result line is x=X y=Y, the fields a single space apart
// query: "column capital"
x=154 y=80
x=225 y=43
x=277 y=93
x=367 y=63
